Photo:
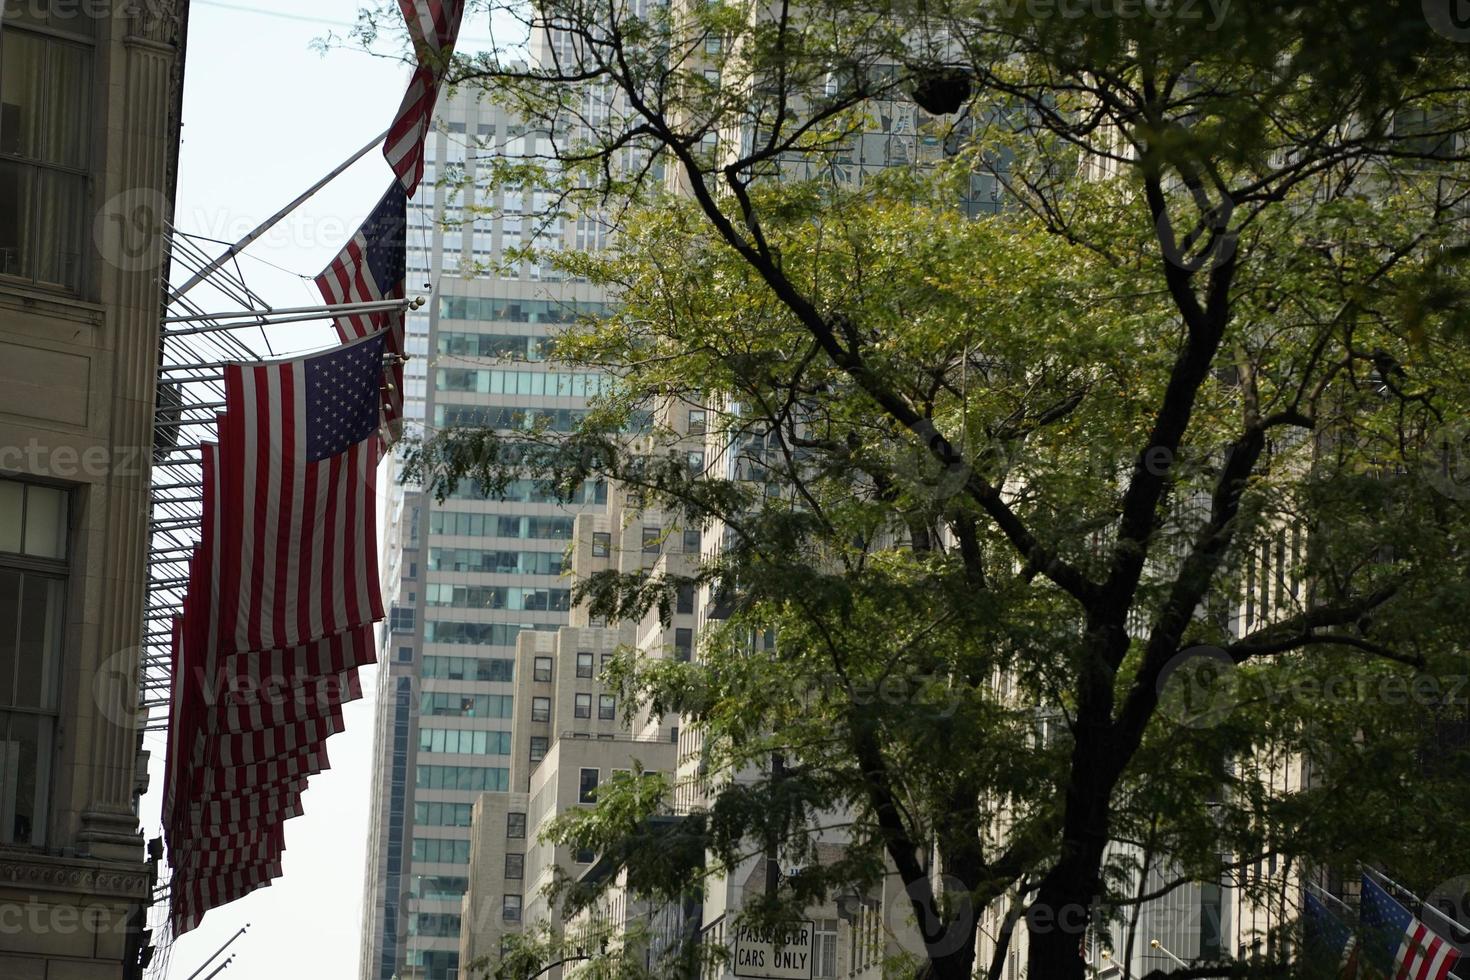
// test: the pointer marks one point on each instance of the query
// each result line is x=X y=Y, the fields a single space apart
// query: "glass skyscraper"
x=467 y=576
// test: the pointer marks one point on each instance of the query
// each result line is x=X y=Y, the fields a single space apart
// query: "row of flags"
x=1388 y=940
x=372 y=266
x=283 y=590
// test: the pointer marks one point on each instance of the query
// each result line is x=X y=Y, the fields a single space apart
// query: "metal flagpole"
x=318 y=310
x=212 y=956
x=222 y=967
x=271 y=222
x=1389 y=881
x=1324 y=893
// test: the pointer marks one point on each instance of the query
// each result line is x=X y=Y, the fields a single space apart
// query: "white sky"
x=265 y=116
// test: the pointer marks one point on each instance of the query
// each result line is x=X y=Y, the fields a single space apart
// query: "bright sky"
x=265 y=116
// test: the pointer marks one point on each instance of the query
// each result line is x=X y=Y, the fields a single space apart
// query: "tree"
x=1217 y=327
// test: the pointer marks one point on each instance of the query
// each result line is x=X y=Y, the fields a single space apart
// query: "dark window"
x=405 y=655
x=584 y=665
x=652 y=539
x=584 y=855
x=674 y=735
x=33 y=546
x=515 y=866
x=692 y=541
x=601 y=544
x=583 y=706
x=515 y=826
x=684 y=598
x=543 y=669
x=538 y=747
x=45 y=154
x=607 y=707
x=511 y=910
x=541 y=709
x=683 y=644
x=587 y=788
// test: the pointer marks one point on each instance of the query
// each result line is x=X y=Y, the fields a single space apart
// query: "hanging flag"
x=373 y=267
x=298 y=464
x=434 y=26
x=1397 y=943
x=1330 y=944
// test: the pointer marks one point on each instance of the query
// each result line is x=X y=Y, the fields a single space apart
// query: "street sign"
x=765 y=955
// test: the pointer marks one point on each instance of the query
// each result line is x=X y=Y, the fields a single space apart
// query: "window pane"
x=61 y=200
x=9 y=626
x=11 y=492
x=25 y=764
x=45 y=522
x=40 y=642
x=63 y=137
x=22 y=81
x=587 y=790
x=15 y=217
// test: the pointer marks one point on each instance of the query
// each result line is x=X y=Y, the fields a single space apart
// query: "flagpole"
x=1389 y=881
x=272 y=221
x=1330 y=897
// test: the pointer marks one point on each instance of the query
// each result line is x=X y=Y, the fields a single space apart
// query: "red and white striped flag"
x=434 y=26
x=298 y=464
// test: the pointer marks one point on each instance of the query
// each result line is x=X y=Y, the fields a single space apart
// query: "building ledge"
x=38 y=872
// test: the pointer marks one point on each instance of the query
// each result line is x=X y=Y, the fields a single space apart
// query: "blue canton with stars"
x=386 y=234
x=342 y=396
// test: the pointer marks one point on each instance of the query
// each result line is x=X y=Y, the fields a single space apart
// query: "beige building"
x=569 y=734
x=89 y=122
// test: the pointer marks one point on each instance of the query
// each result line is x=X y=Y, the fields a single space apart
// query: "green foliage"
x=1199 y=382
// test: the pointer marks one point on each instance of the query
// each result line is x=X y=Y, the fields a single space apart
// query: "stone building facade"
x=89 y=125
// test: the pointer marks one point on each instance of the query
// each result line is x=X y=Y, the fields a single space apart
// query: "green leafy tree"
x=1012 y=479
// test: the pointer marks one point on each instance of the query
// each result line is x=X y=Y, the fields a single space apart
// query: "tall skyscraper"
x=467 y=576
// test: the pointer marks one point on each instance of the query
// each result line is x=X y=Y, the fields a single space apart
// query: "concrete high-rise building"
x=89 y=125
x=467 y=577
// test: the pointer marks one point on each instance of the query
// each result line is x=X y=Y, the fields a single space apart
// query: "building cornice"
x=99 y=879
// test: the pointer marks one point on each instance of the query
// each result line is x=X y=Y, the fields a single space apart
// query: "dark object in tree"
x=941 y=90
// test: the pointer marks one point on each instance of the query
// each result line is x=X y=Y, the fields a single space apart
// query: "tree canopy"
x=1060 y=527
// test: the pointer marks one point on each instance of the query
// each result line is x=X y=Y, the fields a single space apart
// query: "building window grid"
x=45 y=180
x=34 y=523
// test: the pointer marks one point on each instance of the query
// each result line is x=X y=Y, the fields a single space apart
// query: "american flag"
x=1396 y=942
x=298 y=465
x=434 y=26
x=1329 y=940
x=371 y=268
x=211 y=834
x=192 y=897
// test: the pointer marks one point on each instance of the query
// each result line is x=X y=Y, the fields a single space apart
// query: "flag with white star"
x=372 y=267
x=298 y=469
